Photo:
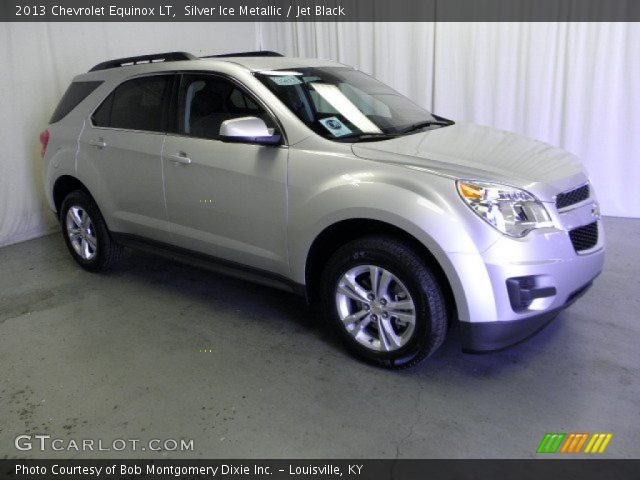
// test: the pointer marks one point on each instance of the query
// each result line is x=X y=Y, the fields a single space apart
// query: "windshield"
x=340 y=103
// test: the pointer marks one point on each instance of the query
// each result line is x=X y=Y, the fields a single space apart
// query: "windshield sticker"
x=284 y=80
x=335 y=126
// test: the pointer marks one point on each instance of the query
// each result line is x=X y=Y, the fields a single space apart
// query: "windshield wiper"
x=421 y=125
x=373 y=136
x=364 y=137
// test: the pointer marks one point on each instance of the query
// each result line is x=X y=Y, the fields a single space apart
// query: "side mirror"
x=248 y=130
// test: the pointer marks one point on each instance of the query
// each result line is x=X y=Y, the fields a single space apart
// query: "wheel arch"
x=338 y=234
x=63 y=186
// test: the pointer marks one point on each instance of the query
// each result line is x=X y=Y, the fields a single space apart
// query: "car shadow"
x=209 y=290
x=216 y=292
x=488 y=364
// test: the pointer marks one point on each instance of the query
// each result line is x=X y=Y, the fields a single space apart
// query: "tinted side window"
x=208 y=100
x=75 y=94
x=242 y=103
x=102 y=116
x=137 y=104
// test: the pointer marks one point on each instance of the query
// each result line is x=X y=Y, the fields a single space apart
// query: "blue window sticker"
x=335 y=126
x=284 y=80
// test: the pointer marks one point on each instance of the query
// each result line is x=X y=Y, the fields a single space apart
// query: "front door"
x=227 y=200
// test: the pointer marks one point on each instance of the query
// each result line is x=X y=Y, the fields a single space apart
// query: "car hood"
x=476 y=152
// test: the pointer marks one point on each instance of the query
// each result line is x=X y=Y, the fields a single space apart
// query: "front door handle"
x=100 y=143
x=180 y=158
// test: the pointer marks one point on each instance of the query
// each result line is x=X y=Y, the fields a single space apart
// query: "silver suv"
x=311 y=176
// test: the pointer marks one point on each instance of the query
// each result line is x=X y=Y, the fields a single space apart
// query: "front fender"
x=425 y=206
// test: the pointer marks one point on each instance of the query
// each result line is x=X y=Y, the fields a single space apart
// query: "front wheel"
x=385 y=302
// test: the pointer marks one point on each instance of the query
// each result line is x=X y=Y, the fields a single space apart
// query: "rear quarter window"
x=75 y=94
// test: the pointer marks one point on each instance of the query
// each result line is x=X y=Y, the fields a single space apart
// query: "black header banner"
x=320 y=10
x=238 y=469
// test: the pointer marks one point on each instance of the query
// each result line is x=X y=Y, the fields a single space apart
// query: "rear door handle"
x=180 y=158
x=100 y=143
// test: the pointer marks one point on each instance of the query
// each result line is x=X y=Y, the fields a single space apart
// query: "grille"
x=584 y=238
x=572 y=197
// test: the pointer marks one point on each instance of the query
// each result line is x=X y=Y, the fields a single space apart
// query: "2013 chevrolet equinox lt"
x=312 y=176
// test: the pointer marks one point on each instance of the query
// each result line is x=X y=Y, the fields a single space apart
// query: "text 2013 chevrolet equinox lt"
x=312 y=176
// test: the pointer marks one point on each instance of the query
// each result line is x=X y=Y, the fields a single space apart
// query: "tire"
x=407 y=289
x=90 y=245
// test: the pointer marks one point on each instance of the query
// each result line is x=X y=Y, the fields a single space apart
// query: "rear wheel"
x=385 y=302
x=85 y=233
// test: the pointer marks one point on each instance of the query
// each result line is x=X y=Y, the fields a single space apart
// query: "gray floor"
x=122 y=355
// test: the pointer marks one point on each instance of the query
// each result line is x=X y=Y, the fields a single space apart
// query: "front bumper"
x=483 y=337
x=515 y=287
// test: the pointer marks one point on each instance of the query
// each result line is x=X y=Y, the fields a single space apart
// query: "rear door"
x=120 y=152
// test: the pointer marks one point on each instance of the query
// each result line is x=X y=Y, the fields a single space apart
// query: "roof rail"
x=260 y=53
x=154 y=58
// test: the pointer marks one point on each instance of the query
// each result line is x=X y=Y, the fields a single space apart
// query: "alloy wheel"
x=81 y=233
x=376 y=308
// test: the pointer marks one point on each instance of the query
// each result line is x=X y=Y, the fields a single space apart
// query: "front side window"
x=208 y=100
x=340 y=103
x=138 y=104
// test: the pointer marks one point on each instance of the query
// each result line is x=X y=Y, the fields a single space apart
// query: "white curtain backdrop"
x=574 y=85
x=570 y=84
x=38 y=61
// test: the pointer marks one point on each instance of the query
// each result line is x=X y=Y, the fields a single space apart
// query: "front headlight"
x=511 y=210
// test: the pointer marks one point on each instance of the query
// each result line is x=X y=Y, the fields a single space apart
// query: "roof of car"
x=255 y=61
x=277 y=63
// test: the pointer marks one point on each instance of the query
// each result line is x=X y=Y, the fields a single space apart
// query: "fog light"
x=523 y=291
